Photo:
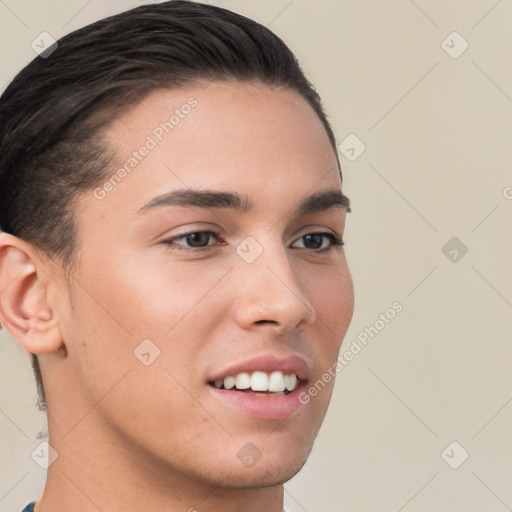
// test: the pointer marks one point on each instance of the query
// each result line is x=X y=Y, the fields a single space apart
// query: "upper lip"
x=267 y=363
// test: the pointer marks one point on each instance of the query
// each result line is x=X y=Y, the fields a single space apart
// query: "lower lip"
x=262 y=406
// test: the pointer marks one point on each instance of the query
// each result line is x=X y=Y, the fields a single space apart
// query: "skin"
x=131 y=437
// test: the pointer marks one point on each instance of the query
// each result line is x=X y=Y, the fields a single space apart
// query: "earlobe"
x=23 y=309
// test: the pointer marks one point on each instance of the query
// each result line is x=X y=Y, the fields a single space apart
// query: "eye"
x=198 y=240
x=317 y=241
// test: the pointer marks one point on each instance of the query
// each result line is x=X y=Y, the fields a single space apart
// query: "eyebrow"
x=317 y=202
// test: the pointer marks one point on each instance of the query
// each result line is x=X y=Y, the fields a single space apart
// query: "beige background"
x=437 y=165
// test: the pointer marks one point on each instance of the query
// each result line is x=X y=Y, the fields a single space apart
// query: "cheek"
x=108 y=324
x=330 y=291
x=147 y=298
x=117 y=308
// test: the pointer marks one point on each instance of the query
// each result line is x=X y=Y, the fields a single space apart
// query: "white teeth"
x=243 y=381
x=229 y=382
x=259 y=381
x=290 y=382
x=275 y=382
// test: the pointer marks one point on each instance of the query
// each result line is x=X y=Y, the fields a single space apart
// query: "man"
x=172 y=256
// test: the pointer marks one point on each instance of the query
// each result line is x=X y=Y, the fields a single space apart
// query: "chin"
x=265 y=459
x=268 y=471
x=255 y=478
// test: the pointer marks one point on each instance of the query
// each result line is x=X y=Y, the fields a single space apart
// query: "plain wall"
x=436 y=165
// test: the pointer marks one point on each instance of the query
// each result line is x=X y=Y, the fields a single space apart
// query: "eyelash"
x=335 y=242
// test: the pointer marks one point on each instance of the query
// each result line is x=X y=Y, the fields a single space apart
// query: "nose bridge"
x=268 y=288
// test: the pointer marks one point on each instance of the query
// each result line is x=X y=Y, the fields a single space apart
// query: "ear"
x=23 y=309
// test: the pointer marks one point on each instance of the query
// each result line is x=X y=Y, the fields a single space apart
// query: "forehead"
x=224 y=136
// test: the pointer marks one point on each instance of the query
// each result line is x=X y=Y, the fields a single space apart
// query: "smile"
x=266 y=387
x=275 y=383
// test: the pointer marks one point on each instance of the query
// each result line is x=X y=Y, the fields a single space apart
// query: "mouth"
x=265 y=387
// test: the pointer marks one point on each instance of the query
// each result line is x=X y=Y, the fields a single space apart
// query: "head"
x=171 y=202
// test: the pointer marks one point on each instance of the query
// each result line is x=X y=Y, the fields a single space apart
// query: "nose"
x=269 y=294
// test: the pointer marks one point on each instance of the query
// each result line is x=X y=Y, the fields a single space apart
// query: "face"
x=179 y=295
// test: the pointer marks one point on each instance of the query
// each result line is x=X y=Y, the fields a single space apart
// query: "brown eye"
x=194 y=240
x=199 y=239
x=315 y=242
